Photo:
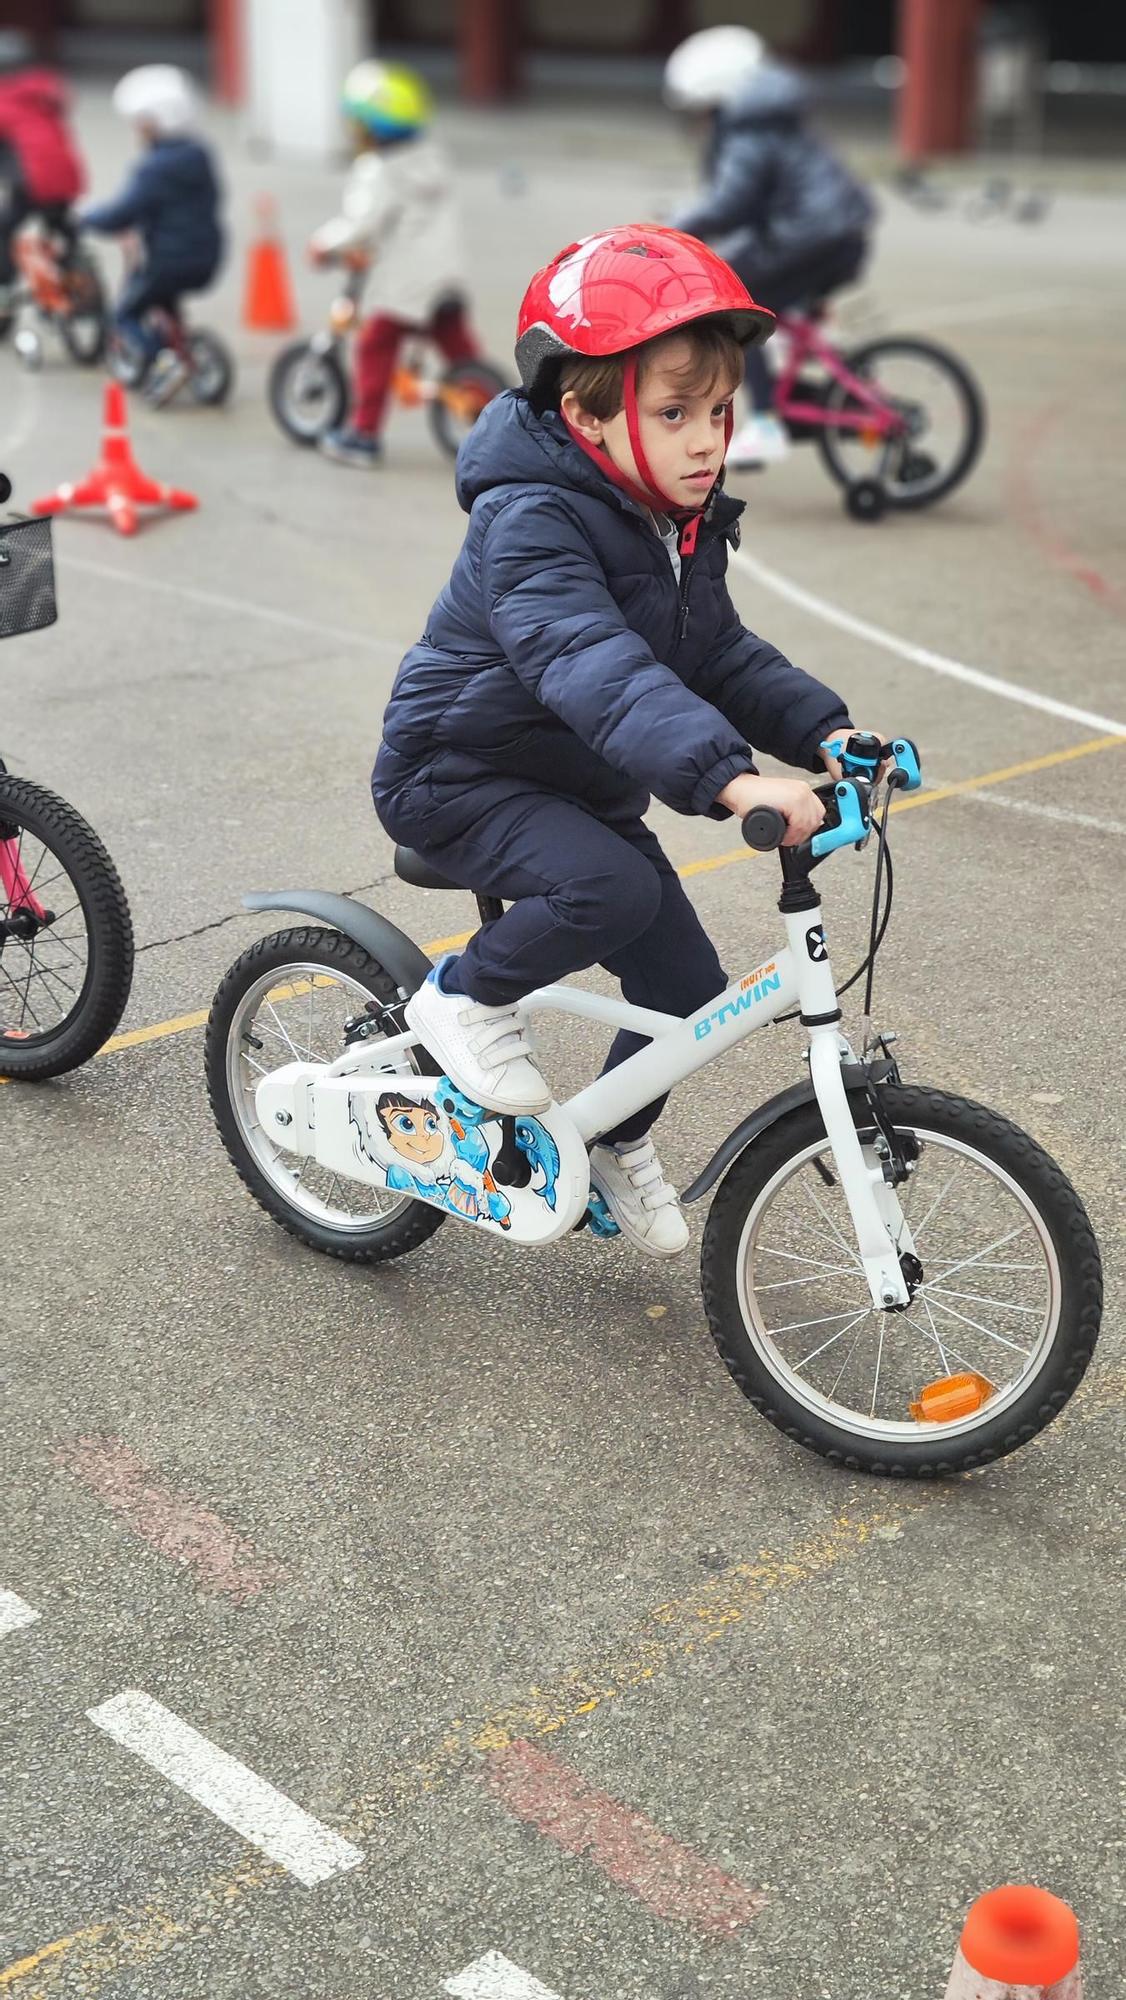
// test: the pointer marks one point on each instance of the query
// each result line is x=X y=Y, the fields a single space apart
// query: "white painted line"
x=922 y=656
x=217 y=600
x=1059 y=813
x=235 y=1795
x=494 y=1977
x=14 y=1613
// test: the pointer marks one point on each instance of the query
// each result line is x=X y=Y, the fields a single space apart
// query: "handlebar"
x=847 y=820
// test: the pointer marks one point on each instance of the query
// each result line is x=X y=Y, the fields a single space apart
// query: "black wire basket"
x=27 y=577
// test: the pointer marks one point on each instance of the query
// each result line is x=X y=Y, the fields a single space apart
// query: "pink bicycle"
x=899 y=422
x=66 y=937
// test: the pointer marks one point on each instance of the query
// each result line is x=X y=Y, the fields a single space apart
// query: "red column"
x=938 y=43
x=228 y=53
x=489 y=45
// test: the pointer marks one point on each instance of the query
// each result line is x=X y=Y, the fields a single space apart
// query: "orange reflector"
x=16 y=1035
x=954 y=1396
x=871 y=438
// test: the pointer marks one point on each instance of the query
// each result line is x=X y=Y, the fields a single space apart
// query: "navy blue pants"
x=582 y=891
x=146 y=289
x=797 y=280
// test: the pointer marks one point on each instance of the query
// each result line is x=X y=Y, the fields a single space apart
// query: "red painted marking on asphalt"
x=670 y=1879
x=1026 y=506
x=172 y=1522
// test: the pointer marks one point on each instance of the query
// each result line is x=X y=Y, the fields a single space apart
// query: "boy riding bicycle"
x=584 y=654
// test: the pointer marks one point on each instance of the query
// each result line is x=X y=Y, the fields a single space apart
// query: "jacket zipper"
x=687 y=550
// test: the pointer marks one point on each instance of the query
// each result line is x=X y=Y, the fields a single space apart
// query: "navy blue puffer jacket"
x=775 y=193
x=172 y=199
x=563 y=651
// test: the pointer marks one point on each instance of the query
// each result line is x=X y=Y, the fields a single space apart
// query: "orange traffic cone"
x=268 y=301
x=1018 y=1943
x=117 y=482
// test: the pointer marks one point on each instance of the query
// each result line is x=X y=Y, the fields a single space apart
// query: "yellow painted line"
x=23 y=1966
x=182 y=1023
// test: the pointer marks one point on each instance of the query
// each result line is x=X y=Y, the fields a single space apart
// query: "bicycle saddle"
x=410 y=867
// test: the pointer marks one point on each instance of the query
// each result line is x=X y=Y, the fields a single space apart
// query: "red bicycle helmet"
x=612 y=292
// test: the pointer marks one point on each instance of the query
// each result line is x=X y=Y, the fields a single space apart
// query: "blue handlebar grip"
x=854 y=828
x=907 y=757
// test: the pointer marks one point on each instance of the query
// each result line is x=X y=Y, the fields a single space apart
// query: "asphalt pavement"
x=480 y=1559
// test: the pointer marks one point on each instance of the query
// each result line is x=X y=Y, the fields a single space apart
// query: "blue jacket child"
x=171 y=200
x=581 y=657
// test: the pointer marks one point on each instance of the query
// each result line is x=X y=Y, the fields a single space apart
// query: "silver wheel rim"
x=297 y=1013
x=308 y=393
x=991 y=1293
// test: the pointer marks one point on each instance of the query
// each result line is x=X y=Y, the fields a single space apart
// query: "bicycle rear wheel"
x=1003 y=1266
x=943 y=423
x=66 y=937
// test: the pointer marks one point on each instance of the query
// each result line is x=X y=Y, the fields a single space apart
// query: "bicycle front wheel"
x=1006 y=1282
x=66 y=937
x=942 y=423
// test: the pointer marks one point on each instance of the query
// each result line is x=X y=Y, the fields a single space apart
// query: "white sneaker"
x=482 y=1049
x=646 y=1209
x=762 y=440
x=166 y=377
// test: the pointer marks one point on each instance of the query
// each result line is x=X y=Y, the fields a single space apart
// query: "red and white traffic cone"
x=1018 y=1943
x=117 y=482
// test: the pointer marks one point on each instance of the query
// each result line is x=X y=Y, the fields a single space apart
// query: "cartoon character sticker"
x=437 y=1148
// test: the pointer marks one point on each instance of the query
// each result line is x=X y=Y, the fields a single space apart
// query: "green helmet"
x=391 y=102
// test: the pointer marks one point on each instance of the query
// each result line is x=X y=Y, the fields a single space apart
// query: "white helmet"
x=711 y=67
x=157 y=95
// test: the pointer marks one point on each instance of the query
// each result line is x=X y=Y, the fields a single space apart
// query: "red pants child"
x=377 y=348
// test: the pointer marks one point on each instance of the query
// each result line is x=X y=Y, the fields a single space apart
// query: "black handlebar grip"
x=764 y=828
x=5 y=488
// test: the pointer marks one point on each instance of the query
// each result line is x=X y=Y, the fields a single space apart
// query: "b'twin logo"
x=752 y=989
x=815 y=944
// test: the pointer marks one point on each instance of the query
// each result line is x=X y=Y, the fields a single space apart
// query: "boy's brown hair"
x=600 y=384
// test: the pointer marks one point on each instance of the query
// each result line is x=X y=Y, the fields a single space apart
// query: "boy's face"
x=414 y=1134
x=684 y=434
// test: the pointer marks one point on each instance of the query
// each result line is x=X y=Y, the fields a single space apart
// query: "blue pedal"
x=599 y=1220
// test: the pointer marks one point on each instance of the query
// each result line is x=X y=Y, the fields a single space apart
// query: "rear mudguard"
x=395 y=951
x=856 y=1076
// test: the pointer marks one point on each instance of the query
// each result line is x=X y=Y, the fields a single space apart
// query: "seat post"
x=490 y=908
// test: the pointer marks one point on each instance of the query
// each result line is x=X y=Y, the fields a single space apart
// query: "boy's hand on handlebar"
x=797 y=802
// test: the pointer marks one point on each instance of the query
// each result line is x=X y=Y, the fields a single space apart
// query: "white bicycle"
x=896 y=1277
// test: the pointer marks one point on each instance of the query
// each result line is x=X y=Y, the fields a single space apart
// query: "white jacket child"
x=399 y=205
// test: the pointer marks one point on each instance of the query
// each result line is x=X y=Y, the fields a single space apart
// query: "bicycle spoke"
x=1013 y=1345
x=996 y=1244
x=979 y=1299
x=848 y=1249
x=833 y=1337
x=943 y=1356
x=817 y=1278
x=879 y=1359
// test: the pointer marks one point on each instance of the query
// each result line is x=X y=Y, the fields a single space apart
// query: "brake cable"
x=879 y=923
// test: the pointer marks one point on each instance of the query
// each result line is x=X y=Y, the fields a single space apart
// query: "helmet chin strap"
x=648 y=494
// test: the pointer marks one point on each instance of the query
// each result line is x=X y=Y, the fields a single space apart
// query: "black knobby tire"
x=102 y=997
x=930 y=1454
x=863 y=360
x=213 y=371
x=332 y=400
x=416 y=1221
x=468 y=376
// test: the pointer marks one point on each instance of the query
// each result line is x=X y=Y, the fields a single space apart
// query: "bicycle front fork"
x=877 y=1217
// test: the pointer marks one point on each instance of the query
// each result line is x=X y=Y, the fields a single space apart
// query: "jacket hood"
x=34 y=90
x=772 y=94
x=417 y=166
x=183 y=160
x=510 y=445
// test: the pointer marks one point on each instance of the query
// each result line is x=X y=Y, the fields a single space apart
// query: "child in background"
x=779 y=205
x=41 y=170
x=171 y=201
x=399 y=208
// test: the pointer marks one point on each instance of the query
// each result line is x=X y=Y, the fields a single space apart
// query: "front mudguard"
x=404 y=960
x=856 y=1080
